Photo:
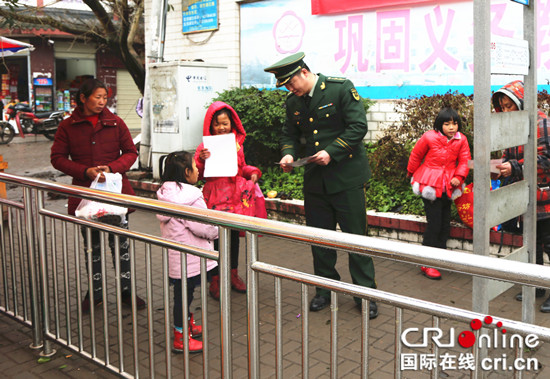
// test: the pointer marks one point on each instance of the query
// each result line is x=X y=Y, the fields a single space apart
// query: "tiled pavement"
x=17 y=360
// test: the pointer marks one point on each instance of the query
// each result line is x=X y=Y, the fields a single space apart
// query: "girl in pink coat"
x=438 y=166
x=178 y=176
x=234 y=194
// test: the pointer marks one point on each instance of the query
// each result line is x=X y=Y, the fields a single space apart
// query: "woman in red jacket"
x=90 y=142
x=438 y=166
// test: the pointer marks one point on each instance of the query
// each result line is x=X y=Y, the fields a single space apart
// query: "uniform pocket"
x=326 y=111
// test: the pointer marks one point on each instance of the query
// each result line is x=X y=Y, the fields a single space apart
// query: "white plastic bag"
x=93 y=210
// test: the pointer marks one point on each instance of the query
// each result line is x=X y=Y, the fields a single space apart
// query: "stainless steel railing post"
x=47 y=350
x=225 y=301
x=252 y=304
x=37 y=337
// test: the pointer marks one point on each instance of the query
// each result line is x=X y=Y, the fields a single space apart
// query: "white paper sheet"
x=223 y=155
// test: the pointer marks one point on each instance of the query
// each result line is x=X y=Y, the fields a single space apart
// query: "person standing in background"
x=509 y=99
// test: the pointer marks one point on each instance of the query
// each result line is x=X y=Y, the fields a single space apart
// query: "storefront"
x=14 y=71
x=74 y=63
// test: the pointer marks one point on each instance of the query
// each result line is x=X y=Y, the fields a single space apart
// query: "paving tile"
x=454 y=289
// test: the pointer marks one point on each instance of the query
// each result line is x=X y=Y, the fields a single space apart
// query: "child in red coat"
x=438 y=166
x=235 y=194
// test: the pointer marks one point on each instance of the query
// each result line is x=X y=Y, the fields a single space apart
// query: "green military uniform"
x=334 y=120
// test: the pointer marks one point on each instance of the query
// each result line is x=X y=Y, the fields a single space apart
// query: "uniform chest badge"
x=355 y=94
x=296 y=113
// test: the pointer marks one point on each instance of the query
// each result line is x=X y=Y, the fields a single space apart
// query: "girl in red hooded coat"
x=438 y=166
x=234 y=194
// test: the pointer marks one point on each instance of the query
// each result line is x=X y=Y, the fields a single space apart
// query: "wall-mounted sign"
x=509 y=56
x=199 y=16
x=524 y=2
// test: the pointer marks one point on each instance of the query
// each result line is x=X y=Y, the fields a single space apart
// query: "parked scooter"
x=27 y=121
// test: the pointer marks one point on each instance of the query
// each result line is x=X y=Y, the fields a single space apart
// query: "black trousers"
x=234 y=248
x=177 y=311
x=96 y=259
x=347 y=209
x=543 y=240
x=438 y=215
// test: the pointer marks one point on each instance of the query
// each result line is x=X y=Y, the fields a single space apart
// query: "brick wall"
x=380 y=115
x=219 y=47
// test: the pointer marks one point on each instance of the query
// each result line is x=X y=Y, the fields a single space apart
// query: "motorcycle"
x=7 y=132
x=27 y=121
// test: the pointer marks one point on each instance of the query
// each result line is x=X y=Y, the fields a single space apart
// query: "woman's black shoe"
x=539 y=292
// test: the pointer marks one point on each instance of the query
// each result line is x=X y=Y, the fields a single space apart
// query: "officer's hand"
x=284 y=162
x=505 y=169
x=322 y=158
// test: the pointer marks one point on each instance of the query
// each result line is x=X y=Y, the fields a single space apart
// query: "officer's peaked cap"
x=286 y=68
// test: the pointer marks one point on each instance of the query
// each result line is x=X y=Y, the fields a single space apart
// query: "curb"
x=293 y=211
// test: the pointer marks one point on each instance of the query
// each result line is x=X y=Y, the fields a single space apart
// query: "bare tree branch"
x=115 y=24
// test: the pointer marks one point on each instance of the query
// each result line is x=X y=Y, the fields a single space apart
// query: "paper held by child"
x=223 y=155
x=298 y=163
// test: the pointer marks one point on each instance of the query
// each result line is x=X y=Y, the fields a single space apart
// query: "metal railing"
x=34 y=260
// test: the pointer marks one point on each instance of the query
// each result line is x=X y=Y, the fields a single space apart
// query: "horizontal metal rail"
x=399 y=301
x=478 y=265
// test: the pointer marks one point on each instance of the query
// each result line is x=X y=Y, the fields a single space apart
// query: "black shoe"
x=319 y=302
x=545 y=307
x=373 y=309
x=539 y=292
x=86 y=303
x=127 y=299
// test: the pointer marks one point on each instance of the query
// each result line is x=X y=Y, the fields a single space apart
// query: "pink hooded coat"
x=230 y=194
x=185 y=231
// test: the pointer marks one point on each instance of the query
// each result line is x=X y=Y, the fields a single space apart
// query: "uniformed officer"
x=329 y=113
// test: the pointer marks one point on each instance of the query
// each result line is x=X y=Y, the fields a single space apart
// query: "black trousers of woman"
x=96 y=259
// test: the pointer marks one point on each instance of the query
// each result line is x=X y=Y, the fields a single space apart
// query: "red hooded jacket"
x=79 y=145
x=435 y=160
x=230 y=194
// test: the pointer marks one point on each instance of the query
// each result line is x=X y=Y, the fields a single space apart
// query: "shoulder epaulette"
x=336 y=79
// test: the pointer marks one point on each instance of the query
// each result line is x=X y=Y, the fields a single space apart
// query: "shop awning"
x=10 y=46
